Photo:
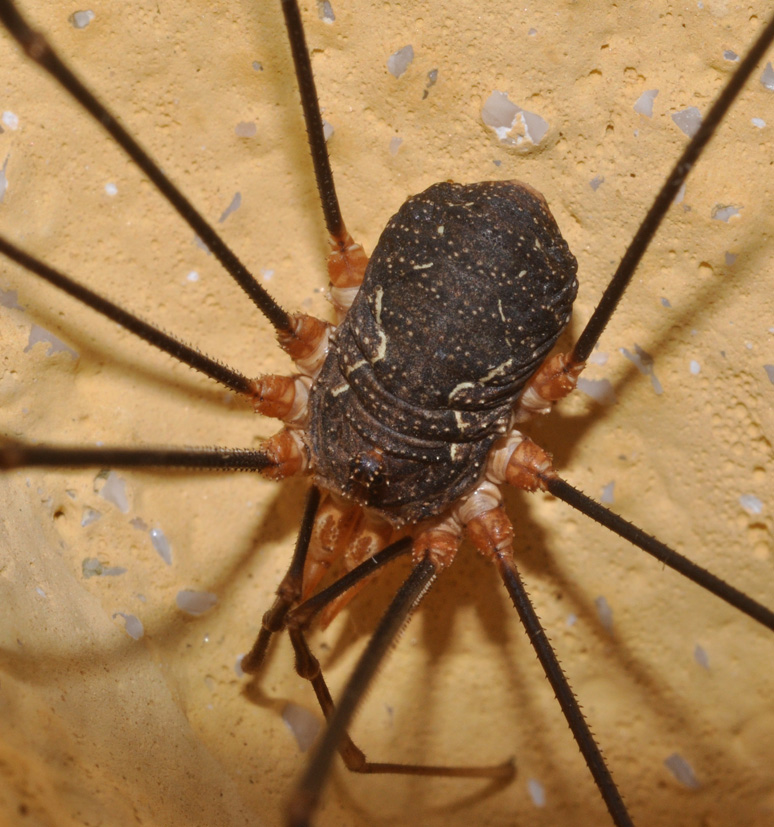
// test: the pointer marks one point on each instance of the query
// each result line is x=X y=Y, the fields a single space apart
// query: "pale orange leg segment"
x=333 y=527
x=439 y=543
x=370 y=536
x=554 y=379
x=347 y=263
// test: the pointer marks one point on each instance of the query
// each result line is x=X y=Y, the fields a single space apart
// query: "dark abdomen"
x=466 y=292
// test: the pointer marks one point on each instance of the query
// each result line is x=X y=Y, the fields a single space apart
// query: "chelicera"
x=365 y=475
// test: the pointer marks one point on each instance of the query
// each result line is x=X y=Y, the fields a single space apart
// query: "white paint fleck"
x=665 y=302
x=161 y=544
x=93 y=567
x=731 y=55
x=11 y=120
x=192 y=276
x=644 y=363
x=751 y=504
x=328 y=130
x=246 y=129
x=502 y=116
x=112 y=488
x=325 y=11
x=536 y=792
x=759 y=122
x=303 y=723
x=89 y=516
x=432 y=79
x=730 y=259
x=395 y=144
x=769 y=372
x=132 y=624
x=767 y=77
x=596 y=182
x=723 y=212
x=398 y=62
x=10 y=299
x=236 y=203
x=195 y=603
x=39 y=334
x=608 y=493
x=600 y=390
x=598 y=357
x=111 y=189
x=605 y=613
x=701 y=657
x=572 y=619
x=644 y=104
x=694 y=367
x=81 y=19
x=4 y=179
x=688 y=120
x=681 y=770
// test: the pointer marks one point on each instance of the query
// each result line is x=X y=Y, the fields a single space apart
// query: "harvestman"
x=16 y=455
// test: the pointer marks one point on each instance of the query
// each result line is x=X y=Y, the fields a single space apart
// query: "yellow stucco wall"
x=101 y=729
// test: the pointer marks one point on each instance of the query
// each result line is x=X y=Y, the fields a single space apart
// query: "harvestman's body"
x=497 y=754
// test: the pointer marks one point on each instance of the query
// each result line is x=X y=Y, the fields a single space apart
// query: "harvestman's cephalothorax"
x=171 y=326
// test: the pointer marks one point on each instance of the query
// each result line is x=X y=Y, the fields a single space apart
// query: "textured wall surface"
x=100 y=728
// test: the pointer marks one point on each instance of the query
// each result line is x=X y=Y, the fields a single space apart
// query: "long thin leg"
x=530 y=469
x=39 y=50
x=666 y=196
x=298 y=619
x=307 y=792
x=492 y=534
x=347 y=260
x=158 y=338
x=558 y=375
x=17 y=454
x=302 y=615
x=313 y=120
x=623 y=528
x=564 y=694
x=288 y=590
x=308 y=667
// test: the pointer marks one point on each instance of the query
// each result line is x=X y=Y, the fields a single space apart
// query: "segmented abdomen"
x=466 y=292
